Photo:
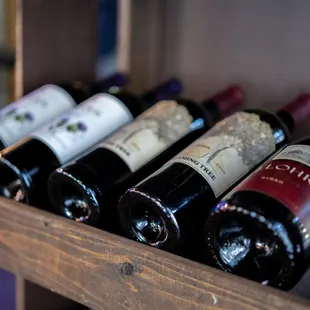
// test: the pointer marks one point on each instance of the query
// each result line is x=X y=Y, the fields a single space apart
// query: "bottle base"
x=13 y=183
x=145 y=219
x=72 y=198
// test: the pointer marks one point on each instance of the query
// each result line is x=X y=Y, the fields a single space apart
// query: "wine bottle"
x=111 y=84
x=26 y=165
x=79 y=190
x=260 y=230
x=21 y=117
x=167 y=207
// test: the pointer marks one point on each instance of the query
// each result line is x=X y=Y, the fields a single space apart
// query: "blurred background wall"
x=3 y=41
x=7 y=280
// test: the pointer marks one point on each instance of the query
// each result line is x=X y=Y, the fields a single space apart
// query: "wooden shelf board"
x=105 y=271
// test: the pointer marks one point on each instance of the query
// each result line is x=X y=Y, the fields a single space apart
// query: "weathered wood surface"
x=105 y=271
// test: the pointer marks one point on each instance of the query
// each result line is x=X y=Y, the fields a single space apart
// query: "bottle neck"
x=224 y=103
x=213 y=111
x=295 y=112
x=133 y=103
x=79 y=91
x=165 y=91
x=287 y=119
x=111 y=84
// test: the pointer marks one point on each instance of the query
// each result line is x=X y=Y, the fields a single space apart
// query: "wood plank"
x=124 y=35
x=17 y=78
x=104 y=271
x=20 y=293
x=144 y=51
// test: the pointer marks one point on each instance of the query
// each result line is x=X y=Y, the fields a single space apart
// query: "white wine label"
x=285 y=178
x=296 y=152
x=77 y=130
x=229 y=150
x=23 y=116
x=150 y=134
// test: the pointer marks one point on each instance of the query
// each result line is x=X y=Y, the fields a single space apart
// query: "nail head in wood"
x=127 y=269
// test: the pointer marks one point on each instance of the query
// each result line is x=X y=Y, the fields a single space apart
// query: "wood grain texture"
x=104 y=271
x=124 y=35
x=146 y=49
x=20 y=293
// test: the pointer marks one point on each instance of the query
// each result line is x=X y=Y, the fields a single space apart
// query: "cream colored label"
x=77 y=130
x=32 y=111
x=296 y=152
x=150 y=134
x=229 y=150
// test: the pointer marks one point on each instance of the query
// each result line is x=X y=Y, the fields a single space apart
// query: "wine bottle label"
x=286 y=178
x=20 y=118
x=80 y=128
x=150 y=134
x=229 y=150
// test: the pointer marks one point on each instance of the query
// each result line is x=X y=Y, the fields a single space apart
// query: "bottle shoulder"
x=79 y=91
x=24 y=145
x=29 y=153
x=303 y=141
x=135 y=105
x=271 y=118
x=196 y=110
x=279 y=129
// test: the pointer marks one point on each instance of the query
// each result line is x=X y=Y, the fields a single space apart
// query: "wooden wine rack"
x=208 y=44
x=105 y=271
